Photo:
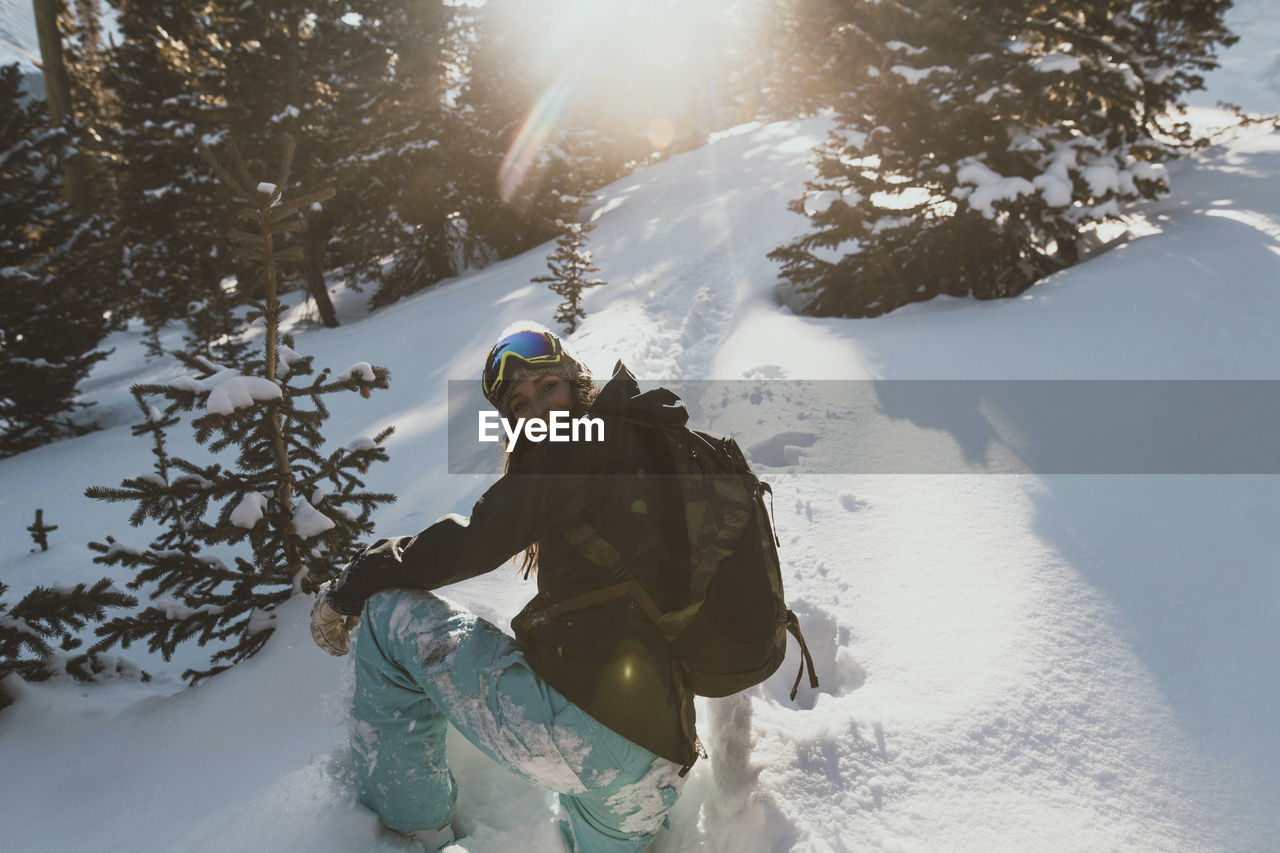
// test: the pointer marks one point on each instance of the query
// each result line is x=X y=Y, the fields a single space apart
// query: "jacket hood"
x=621 y=397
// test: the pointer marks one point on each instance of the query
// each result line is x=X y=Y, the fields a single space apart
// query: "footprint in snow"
x=834 y=662
x=804 y=508
x=852 y=502
x=782 y=450
x=765 y=371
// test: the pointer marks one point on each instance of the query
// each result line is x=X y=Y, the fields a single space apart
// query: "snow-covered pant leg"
x=628 y=805
x=397 y=740
x=420 y=660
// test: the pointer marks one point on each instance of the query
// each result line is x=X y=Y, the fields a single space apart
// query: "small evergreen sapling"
x=36 y=635
x=570 y=263
x=297 y=512
x=40 y=531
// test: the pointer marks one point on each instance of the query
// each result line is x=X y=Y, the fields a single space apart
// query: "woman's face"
x=535 y=397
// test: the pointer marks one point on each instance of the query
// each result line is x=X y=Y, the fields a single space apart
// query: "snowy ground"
x=18 y=40
x=1007 y=662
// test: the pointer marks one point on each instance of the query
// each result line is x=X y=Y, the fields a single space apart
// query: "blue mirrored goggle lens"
x=527 y=346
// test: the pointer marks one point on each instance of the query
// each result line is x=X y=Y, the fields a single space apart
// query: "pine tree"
x=299 y=512
x=977 y=143
x=570 y=263
x=794 y=55
x=37 y=635
x=94 y=107
x=50 y=323
x=166 y=75
x=513 y=114
x=279 y=79
x=393 y=145
x=505 y=204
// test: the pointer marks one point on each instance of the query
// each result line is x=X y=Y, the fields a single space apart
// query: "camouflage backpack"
x=731 y=632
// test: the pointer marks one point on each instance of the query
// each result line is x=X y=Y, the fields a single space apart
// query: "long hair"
x=584 y=394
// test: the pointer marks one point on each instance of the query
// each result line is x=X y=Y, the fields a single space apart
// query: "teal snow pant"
x=422 y=662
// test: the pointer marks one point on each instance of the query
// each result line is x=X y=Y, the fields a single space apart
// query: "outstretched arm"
x=515 y=512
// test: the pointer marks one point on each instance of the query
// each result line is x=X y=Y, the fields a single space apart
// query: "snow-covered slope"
x=1249 y=72
x=19 y=41
x=1007 y=662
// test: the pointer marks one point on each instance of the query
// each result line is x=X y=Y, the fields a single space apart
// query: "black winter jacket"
x=610 y=660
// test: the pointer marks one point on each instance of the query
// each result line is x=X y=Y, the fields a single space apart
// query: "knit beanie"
x=566 y=368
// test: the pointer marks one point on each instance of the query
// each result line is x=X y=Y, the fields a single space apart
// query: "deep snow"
x=1007 y=662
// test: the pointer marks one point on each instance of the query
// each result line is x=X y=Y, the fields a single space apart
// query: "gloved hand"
x=330 y=629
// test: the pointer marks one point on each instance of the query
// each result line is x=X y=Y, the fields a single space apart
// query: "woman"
x=585 y=702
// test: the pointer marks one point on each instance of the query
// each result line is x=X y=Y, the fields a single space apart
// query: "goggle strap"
x=502 y=365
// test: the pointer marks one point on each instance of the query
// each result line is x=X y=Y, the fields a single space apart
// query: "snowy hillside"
x=1008 y=663
x=18 y=39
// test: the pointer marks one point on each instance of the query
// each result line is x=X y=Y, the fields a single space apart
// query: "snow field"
x=1008 y=663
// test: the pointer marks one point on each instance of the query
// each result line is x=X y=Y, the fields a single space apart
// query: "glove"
x=330 y=629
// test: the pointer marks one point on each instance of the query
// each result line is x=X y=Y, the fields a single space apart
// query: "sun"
x=652 y=68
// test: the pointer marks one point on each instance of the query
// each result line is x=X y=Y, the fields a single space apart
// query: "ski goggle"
x=527 y=347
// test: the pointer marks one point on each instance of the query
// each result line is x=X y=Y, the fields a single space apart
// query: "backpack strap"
x=792 y=622
x=591 y=544
x=793 y=625
x=773 y=524
x=680 y=677
x=600 y=596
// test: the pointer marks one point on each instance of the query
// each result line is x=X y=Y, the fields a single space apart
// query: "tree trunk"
x=313 y=243
x=57 y=87
x=317 y=233
x=292 y=65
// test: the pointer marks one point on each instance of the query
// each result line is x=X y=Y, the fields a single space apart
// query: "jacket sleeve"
x=516 y=511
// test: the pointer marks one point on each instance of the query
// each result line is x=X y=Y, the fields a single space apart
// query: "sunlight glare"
x=643 y=70
x=661 y=132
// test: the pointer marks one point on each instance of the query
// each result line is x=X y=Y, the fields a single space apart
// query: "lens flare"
x=661 y=132
x=645 y=74
x=546 y=116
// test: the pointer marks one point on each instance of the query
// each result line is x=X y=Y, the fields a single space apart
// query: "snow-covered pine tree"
x=393 y=145
x=570 y=262
x=288 y=44
x=174 y=495
x=166 y=73
x=37 y=635
x=300 y=512
x=792 y=57
x=50 y=323
x=977 y=142
x=93 y=107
